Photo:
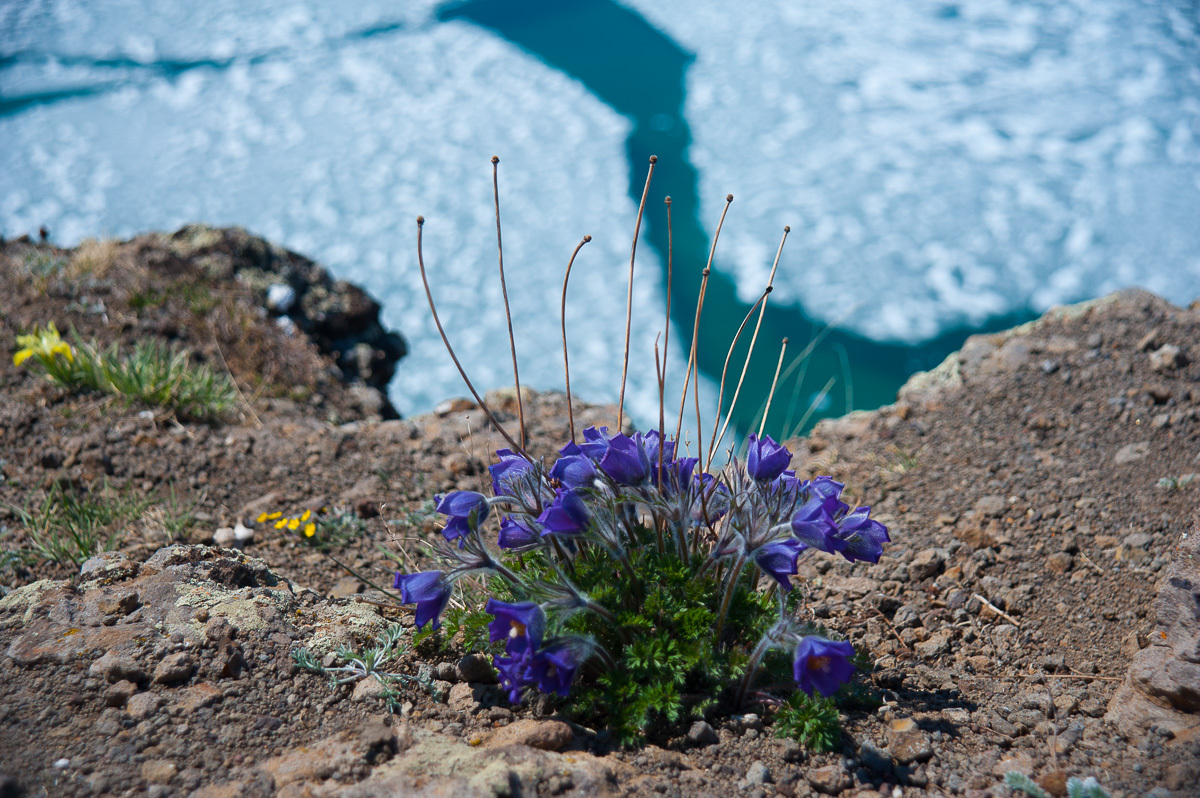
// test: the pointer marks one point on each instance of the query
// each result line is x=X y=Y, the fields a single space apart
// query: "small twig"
x=399 y=599
x=512 y=343
x=1088 y=560
x=997 y=610
x=629 y=302
x=257 y=421
x=566 y=362
x=892 y=629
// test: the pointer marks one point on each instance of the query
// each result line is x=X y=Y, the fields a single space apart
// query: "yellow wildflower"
x=293 y=524
x=310 y=530
x=281 y=523
x=42 y=344
x=306 y=516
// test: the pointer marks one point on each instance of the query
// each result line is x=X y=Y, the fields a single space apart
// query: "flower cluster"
x=301 y=523
x=629 y=562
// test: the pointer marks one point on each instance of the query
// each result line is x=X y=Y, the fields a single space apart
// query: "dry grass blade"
x=629 y=301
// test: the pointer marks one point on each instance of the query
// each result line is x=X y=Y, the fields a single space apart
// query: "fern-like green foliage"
x=811 y=721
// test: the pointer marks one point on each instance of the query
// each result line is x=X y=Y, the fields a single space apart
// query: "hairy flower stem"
x=629 y=303
x=566 y=362
x=442 y=332
x=512 y=343
x=774 y=383
x=712 y=444
x=733 y=576
x=756 y=656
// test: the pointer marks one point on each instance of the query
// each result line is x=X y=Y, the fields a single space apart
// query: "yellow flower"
x=281 y=523
x=293 y=524
x=306 y=516
x=310 y=530
x=274 y=515
x=262 y=517
x=42 y=344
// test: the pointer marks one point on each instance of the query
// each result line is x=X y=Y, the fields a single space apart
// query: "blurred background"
x=945 y=167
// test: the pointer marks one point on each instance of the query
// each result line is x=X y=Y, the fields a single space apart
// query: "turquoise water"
x=945 y=167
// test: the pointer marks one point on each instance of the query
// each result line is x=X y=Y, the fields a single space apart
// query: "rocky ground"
x=1037 y=610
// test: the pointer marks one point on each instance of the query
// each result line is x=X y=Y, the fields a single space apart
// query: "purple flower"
x=595 y=443
x=652 y=442
x=711 y=502
x=516 y=534
x=553 y=668
x=824 y=487
x=779 y=560
x=625 y=461
x=513 y=672
x=813 y=524
x=521 y=624
x=510 y=468
x=822 y=665
x=461 y=506
x=766 y=459
x=567 y=515
x=574 y=471
x=858 y=537
x=676 y=475
x=430 y=590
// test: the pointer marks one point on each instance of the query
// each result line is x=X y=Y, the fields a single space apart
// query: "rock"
x=197 y=696
x=475 y=668
x=1059 y=562
x=758 y=773
x=991 y=506
x=175 y=667
x=1132 y=453
x=368 y=689
x=108 y=567
x=143 y=705
x=907 y=742
x=158 y=771
x=115 y=667
x=1163 y=685
x=1021 y=763
x=346 y=587
x=547 y=735
x=926 y=564
x=906 y=618
x=874 y=759
x=702 y=734
x=118 y=694
x=224 y=537
x=243 y=533
x=937 y=644
x=1167 y=357
x=831 y=779
x=458 y=405
x=280 y=297
x=1054 y=782
x=446 y=672
x=464 y=697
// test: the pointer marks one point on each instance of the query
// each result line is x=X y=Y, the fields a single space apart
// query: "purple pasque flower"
x=779 y=559
x=566 y=515
x=574 y=471
x=553 y=668
x=625 y=461
x=461 y=506
x=595 y=443
x=652 y=442
x=513 y=671
x=517 y=534
x=822 y=665
x=521 y=624
x=712 y=501
x=507 y=473
x=813 y=523
x=859 y=537
x=676 y=475
x=429 y=590
x=766 y=460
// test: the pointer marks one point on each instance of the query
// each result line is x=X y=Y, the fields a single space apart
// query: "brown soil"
x=1021 y=483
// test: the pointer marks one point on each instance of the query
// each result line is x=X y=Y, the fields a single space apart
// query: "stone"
x=225 y=538
x=991 y=506
x=701 y=733
x=875 y=759
x=1054 y=782
x=346 y=587
x=368 y=689
x=906 y=618
x=158 y=771
x=907 y=742
x=1132 y=453
x=547 y=735
x=475 y=668
x=118 y=694
x=143 y=705
x=175 y=667
x=926 y=564
x=758 y=773
x=830 y=780
x=1059 y=562
x=937 y=644
x=1167 y=357
x=198 y=696
x=116 y=667
x=1021 y=763
x=464 y=697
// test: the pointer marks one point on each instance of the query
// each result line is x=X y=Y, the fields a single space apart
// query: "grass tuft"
x=70 y=525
